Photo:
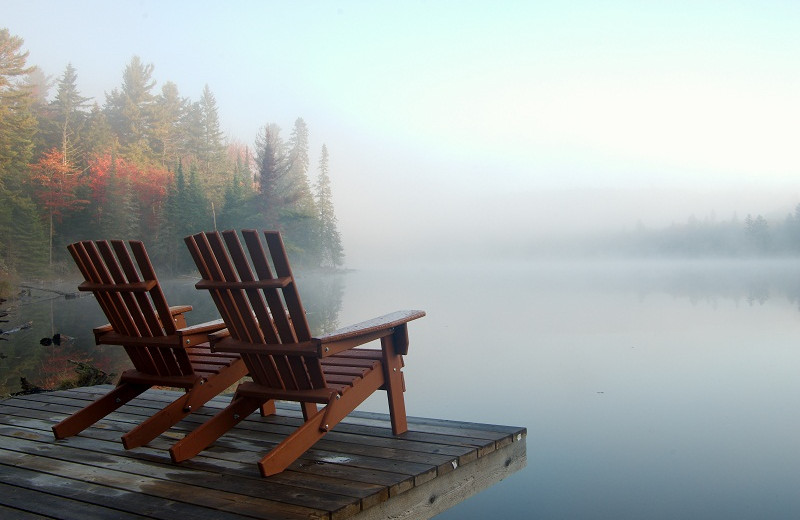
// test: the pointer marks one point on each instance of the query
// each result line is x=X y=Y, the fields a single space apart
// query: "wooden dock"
x=358 y=471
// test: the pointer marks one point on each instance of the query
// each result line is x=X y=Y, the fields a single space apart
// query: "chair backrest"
x=259 y=302
x=132 y=300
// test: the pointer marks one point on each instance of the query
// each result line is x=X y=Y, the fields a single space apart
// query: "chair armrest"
x=196 y=334
x=175 y=310
x=366 y=331
x=187 y=336
x=179 y=309
x=327 y=344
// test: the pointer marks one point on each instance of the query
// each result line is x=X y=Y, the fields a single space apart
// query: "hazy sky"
x=446 y=119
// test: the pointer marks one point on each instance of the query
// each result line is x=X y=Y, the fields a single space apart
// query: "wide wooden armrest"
x=179 y=309
x=327 y=344
x=102 y=329
x=216 y=336
x=366 y=331
x=199 y=333
x=173 y=310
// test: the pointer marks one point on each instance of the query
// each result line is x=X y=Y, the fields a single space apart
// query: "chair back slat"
x=232 y=304
x=255 y=313
x=144 y=322
x=292 y=368
x=111 y=303
x=146 y=268
x=265 y=320
x=294 y=316
x=133 y=302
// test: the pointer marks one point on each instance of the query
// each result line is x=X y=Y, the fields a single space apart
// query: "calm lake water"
x=649 y=390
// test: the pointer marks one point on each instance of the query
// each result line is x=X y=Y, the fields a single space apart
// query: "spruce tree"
x=168 y=136
x=69 y=115
x=17 y=122
x=130 y=111
x=236 y=211
x=299 y=217
x=23 y=243
x=271 y=169
x=332 y=253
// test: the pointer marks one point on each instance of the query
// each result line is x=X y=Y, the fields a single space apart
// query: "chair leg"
x=197 y=396
x=309 y=410
x=82 y=419
x=214 y=428
x=313 y=429
x=392 y=365
x=268 y=408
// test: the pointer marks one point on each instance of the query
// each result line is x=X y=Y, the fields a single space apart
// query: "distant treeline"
x=752 y=236
x=143 y=165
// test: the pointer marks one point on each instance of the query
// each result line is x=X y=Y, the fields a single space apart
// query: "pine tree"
x=17 y=121
x=130 y=111
x=271 y=160
x=22 y=240
x=212 y=152
x=299 y=216
x=169 y=113
x=236 y=210
x=330 y=241
x=98 y=137
x=69 y=115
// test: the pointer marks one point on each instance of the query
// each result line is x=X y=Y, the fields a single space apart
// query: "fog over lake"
x=649 y=389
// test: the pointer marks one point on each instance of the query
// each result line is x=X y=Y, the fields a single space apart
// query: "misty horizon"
x=461 y=123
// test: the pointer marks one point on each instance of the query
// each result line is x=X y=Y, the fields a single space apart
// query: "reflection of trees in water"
x=752 y=282
x=322 y=295
x=47 y=366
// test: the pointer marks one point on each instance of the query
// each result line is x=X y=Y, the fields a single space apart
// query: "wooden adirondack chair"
x=164 y=351
x=267 y=326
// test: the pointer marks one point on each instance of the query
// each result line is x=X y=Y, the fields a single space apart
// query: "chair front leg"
x=214 y=428
x=195 y=398
x=392 y=366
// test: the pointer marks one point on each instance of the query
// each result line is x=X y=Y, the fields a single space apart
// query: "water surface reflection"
x=649 y=390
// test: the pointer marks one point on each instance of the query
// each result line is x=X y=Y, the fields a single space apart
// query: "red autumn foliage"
x=147 y=184
x=56 y=180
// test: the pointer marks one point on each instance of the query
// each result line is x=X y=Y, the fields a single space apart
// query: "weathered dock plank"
x=359 y=470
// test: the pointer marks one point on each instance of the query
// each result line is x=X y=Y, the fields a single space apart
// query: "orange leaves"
x=56 y=181
x=112 y=179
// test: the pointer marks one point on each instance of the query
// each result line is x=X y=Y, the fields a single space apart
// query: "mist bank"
x=578 y=224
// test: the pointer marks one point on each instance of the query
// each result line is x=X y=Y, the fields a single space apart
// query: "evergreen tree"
x=17 y=121
x=38 y=85
x=166 y=250
x=22 y=239
x=271 y=161
x=130 y=111
x=28 y=249
x=169 y=113
x=299 y=215
x=330 y=241
x=237 y=208
x=68 y=110
x=98 y=137
x=196 y=210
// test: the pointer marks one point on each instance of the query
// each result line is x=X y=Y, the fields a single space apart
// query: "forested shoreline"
x=748 y=237
x=144 y=163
